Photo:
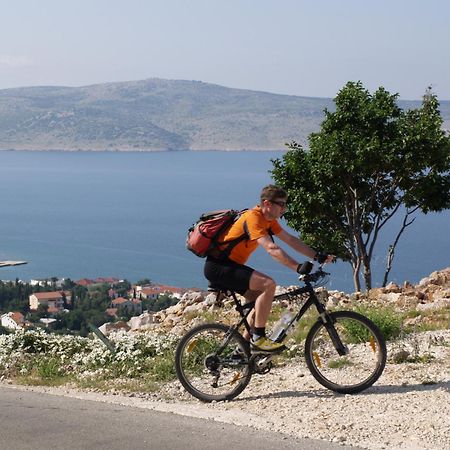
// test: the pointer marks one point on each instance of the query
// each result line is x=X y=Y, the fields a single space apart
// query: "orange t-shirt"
x=257 y=226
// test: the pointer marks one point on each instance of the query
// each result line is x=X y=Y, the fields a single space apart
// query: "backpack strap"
x=225 y=253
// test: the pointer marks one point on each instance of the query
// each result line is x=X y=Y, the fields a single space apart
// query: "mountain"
x=157 y=114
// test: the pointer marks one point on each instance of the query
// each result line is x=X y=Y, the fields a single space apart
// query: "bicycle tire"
x=207 y=375
x=361 y=367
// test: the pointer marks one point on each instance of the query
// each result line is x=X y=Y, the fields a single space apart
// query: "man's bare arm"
x=297 y=244
x=277 y=253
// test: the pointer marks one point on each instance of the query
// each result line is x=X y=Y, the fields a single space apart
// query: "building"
x=132 y=305
x=85 y=282
x=148 y=293
x=154 y=291
x=48 y=322
x=49 y=282
x=54 y=301
x=13 y=320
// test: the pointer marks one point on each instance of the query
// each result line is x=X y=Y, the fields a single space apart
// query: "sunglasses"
x=280 y=203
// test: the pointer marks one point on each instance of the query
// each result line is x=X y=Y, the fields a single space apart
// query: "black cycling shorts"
x=228 y=274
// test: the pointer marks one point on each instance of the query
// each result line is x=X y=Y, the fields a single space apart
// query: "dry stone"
x=432 y=293
x=141 y=321
x=109 y=327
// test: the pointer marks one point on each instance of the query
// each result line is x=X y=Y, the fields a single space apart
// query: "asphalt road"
x=34 y=420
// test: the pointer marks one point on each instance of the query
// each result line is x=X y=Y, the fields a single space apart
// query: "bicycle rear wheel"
x=365 y=356
x=211 y=364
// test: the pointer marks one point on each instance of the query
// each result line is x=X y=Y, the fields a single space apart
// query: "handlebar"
x=307 y=277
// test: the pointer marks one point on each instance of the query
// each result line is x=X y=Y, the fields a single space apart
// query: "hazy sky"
x=299 y=47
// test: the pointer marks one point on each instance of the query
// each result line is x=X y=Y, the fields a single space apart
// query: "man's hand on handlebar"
x=323 y=258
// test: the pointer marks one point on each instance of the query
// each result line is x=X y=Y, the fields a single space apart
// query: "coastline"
x=169 y=150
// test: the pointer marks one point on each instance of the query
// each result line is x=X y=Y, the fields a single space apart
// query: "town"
x=63 y=305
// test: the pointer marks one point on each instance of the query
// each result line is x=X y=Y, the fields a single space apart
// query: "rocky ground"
x=430 y=295
x=408 y=408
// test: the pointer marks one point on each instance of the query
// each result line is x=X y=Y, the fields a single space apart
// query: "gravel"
x=408 y=407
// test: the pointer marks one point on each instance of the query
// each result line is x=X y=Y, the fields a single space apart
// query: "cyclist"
x=227 y=266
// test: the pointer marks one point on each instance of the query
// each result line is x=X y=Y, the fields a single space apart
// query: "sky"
x=296 y=47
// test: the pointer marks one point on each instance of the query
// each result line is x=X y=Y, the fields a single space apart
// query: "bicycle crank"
x=261 y=364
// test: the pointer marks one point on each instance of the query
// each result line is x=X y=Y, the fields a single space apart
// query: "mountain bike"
x=344 y=350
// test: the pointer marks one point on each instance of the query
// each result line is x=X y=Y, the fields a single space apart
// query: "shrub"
x=386 y=319
x=41 y=357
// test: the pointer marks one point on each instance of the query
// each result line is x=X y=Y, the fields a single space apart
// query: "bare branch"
x=391 y=251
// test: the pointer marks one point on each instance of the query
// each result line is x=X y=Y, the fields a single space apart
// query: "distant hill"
x=158 y=114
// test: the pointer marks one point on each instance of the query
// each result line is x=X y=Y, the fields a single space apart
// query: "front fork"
x=328 y=323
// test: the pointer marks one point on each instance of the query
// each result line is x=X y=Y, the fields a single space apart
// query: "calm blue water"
x=126 y=214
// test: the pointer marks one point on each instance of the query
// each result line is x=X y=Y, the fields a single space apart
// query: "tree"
x=68 y=284
x=370 y=160
x=162 y=302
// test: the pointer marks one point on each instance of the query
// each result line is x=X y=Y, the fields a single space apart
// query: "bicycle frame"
x=245 y=310
x=214 y=363
x=323 y=314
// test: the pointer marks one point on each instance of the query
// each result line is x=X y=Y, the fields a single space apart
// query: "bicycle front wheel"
x=212 y=363
x=364 y=358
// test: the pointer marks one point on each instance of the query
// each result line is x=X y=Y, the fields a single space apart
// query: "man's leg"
x=266 y=288
x=250 y=296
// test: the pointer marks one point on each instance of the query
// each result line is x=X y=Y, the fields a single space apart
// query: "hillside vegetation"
x=157 y=114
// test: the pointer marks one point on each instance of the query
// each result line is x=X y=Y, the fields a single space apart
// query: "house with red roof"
x=85 y=282
x=154 y=291
x=13 y=320
x=132 y=305
x=54 y=301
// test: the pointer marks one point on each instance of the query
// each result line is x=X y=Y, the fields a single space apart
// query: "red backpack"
x=202 y=236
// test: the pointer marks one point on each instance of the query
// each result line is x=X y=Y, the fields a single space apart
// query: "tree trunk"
x=356 y=266
x=367 y=274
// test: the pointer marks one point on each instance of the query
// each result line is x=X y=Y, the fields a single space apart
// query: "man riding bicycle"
x=258 y=225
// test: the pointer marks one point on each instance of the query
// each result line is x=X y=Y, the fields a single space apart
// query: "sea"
x=126 y=214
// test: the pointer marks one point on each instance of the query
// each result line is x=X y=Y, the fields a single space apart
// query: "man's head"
x=273 y=201
x=272 y=192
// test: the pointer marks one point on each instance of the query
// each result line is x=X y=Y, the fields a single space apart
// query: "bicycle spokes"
x=362 y=362
x=208 y=365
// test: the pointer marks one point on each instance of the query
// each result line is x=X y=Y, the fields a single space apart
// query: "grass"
x=438 y=319
x=386 y=319
x=43 y=371
x=29 y=380
x=48 y=372
x=338 y=363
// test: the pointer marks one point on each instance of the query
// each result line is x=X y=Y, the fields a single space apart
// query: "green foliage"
x=436 y=319
x=162 y=302
x=3 y=330
x=48 y=368
x=386 y=319
x=163 y=367
x=14 y=296
x=369 y=158
x=122 y=288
